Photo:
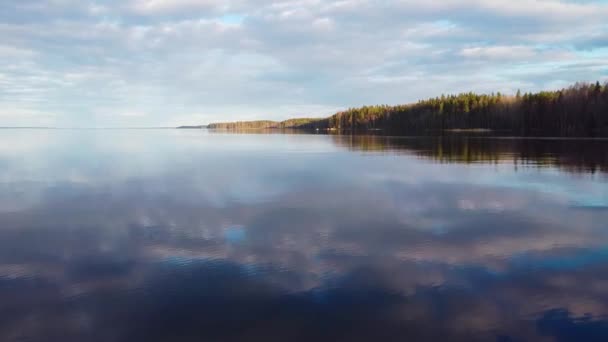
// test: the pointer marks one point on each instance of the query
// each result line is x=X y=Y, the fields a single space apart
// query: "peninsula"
x=579 y=110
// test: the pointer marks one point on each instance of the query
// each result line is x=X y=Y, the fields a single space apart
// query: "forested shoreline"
x=267 y=124
x=579 y=110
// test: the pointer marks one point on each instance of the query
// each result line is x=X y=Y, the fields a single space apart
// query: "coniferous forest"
x=580 y=110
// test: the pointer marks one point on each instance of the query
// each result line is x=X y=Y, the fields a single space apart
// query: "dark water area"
x=189 y=235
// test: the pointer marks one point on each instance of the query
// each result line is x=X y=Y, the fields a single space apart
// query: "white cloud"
x=240 y=59
x=19 y=116
x=544 y=10
x=499 y=52
x=323 y=24
x=14 y=52
x=132 y=114
x=171 y=6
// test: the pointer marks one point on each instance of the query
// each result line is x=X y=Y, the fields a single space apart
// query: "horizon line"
x=85 y=127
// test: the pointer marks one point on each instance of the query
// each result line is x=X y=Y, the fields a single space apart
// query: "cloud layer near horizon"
x=169 y=62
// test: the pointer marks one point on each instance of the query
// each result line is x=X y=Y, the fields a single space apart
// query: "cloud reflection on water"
x=189 y=240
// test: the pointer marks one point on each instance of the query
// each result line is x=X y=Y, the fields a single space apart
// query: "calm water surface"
x=185 y=235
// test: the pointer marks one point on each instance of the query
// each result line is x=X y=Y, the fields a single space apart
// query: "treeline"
x=580 y=110
x=264 y=124
x=259 y=124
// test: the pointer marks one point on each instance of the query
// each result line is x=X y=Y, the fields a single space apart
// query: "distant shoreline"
x=577 y=111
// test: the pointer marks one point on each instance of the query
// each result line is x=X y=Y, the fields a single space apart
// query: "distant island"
x=195 y=127
x=579 y=110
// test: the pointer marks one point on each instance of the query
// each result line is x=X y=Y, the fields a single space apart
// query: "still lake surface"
x=189 y=235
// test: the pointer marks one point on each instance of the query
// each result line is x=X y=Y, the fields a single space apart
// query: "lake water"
x=189 y=235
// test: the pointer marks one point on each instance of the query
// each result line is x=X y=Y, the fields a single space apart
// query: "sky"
x=136 y=63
